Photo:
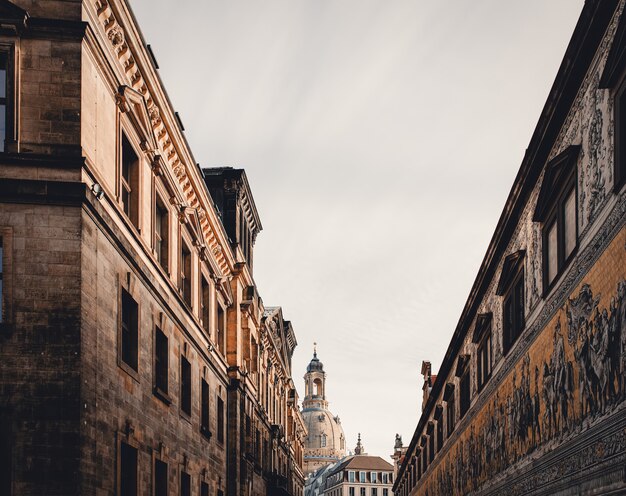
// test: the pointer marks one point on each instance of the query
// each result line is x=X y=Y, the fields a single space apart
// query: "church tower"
x=326 y=441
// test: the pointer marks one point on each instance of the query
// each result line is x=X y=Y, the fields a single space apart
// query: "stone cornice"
x=118 y=27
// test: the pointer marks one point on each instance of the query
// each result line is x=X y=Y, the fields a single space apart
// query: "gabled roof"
x=362 y=462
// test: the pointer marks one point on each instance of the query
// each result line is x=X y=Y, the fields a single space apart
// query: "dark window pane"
x=185 y=385
x=552 y=252
x=185 y=484
x=129 y=330
x=204 y=405
x=220 y=419
x=569 y=224
x=204 y=489
x=161 y=362
x=128 y=470
x=160 y=478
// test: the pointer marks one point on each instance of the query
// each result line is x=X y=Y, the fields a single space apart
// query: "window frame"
x=510 y=335
x=220 y=405
x=122 y=363
x=11 y=107
x=163 y=259
x=158 y=390
x=186 y=279
x=205 y=408
x=156 y=460
x=132 y=184
x=556 y=217
x=121 y=441
x=185 y=386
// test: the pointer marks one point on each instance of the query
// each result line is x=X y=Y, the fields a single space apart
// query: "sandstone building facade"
x=530 y=396
x=325 y=442
x=137 y=356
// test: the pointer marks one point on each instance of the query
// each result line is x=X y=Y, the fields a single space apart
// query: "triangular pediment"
x=133 y=104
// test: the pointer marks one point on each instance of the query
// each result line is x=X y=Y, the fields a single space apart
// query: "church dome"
x=326 y=441
x=315 y=364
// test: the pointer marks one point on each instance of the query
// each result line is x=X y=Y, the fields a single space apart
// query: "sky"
x=381 y=139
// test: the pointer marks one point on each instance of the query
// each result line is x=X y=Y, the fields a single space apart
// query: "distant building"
x=326 y=441
x=355 y=475
x=530 y=396
x=398 y=454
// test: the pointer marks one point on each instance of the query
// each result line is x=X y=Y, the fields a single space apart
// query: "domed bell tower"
x=315 y=384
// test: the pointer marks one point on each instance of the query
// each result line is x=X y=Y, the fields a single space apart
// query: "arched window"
x=317 y=387
x=323 y=440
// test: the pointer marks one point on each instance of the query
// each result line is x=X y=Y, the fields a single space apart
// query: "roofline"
x=591 y=27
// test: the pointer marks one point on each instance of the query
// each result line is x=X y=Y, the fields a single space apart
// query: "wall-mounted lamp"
x=97 y=190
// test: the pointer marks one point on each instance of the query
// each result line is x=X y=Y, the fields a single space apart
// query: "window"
x=362 y=477
x=351 y=476
x=204 y=408
x=204 y=489
x=514 y=312
x=130 y=181
x=464 y=396
x=484 y=360
x=351 y=491
x=128 y=470
x=220 y=329
x=373 y=477
x=185 y=484
x=385 y=491
x=206 y=306
x=323 y=440
x=374 y=491
x=160 y=478
x=2 y=308
x=185 y=274
x=161 y=363
x=385 y=478
x=557 y=211
x=129 y=331
x=220 y=419
x=439 y=433
x=161 y=232
x=362 y=491
x=6 y=93
x=185 y=385
x=450 y=413
x=431 y=447
x=511 y=287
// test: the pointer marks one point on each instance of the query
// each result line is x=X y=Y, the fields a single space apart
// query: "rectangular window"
x=185 y=484
x=129 y=331
x=4 y=71
x=204 y=408
x=161 y=233
x=464 y=388
x=160 y=478
x=514 y=312
x=552 y=252
x=374 y=477
x=185 y=385
x=128 y=470
x=220 y=329
x=569 y=223
x=362 y=477
x=351 y=491
x=450 y=415
x=185 y=274
x=351 y=476
x=431 y=447
x=204 y=489
x=206 y=306
x=161 y=362
x=362 y=491
x=220 y=419
x=374 y=491
x=484 y=361
x=385 y=478
x=130 y=181
x=385 y=491
x=439 y=433
x=2 y=306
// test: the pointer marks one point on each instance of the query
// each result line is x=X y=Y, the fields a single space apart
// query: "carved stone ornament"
x=116 y=36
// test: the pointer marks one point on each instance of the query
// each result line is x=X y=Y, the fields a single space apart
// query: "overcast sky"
x=380 y=139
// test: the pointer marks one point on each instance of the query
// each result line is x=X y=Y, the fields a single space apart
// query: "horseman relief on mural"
x=581 y=379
